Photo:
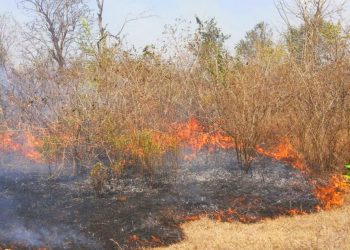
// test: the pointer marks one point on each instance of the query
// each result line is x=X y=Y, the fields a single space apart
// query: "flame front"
x=332 y=195
x=285 y=152
x=7 y=144
x=294 y=212
x=28 y=148
x=228 y=215
x=193 y=134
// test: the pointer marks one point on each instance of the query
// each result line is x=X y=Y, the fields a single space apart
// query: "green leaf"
x=347 y=166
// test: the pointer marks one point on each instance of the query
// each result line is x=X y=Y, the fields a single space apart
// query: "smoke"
x=65 y=213
x=17 y=227
x=27 y=232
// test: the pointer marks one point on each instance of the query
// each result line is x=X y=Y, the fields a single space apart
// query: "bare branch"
x=55 y=25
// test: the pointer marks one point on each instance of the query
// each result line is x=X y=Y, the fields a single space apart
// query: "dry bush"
x=246 y=107
x=318 y=84
x=318 y=116
x=99 y=176
x=115 y=106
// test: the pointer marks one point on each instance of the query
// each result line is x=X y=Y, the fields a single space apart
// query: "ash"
x=135 y=211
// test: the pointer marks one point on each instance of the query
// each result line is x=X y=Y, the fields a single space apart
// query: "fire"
x=332 y=195
x=155 y=239
x=193 y=134
x=27 y=148
x=133 y=237
x=228 y=215
x=294 y=212
x=231 y=215
x=30 y=146
x=193 y=217
x=285 y=152
x=7 y=143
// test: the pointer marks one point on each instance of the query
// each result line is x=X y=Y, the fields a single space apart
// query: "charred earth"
x=134 y=211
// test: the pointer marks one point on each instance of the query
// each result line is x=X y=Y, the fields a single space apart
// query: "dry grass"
x=324 y=230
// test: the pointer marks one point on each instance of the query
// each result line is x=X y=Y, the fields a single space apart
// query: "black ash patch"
x=135 y=212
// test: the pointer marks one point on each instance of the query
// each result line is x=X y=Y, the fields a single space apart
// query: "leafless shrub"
x=110 y=104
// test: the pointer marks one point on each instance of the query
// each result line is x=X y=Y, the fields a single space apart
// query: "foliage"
x=327 y=46
x=208 y=47
x=257 y=42
x=347 y=174
x=99 y=176
x=147 y=149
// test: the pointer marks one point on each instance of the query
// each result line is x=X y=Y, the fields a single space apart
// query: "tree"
x=318 y=39
x=7 y=41
x=102 y=30
x=259 y=39
x=7 y=37
x=100 y=5
x=54 y=28
x=208 y=47
x=317 y=75
x=330 y=46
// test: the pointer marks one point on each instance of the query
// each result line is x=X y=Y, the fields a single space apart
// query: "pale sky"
x=233 y=16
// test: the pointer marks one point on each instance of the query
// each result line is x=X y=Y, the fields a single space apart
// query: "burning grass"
x=211 y=184
x=285 y=152
x=144 y=212
x=24 y=143
x=332 y=194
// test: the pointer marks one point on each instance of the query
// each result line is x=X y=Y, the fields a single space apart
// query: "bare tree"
x=7 y=41
x=54 y=28
x=104 y=34
x=102 y=29
x=7 y=36
x=316 y=17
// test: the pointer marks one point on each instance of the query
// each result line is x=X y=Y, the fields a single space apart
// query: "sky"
x=235 y=17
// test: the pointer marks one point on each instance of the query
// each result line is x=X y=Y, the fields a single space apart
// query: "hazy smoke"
x=14 y=230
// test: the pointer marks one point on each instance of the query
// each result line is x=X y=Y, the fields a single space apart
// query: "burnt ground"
x=65 y=213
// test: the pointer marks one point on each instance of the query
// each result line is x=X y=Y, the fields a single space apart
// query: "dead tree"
x=102 y=29
x=7 y=41
x=313 y=15
x=54 y=27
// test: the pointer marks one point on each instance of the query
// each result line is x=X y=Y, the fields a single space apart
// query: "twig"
x=116 y=242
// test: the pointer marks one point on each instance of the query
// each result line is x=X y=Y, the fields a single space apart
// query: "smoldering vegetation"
x=134 y=211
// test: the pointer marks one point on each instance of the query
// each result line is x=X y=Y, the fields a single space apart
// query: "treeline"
x=91 y=100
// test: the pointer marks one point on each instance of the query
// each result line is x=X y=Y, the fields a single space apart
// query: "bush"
x=99 y=176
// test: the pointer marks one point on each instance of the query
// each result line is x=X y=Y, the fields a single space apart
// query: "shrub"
x=99 y=176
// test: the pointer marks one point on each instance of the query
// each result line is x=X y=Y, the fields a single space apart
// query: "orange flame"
x=294 y=212
x=285 y=152
x=133 y=237
x=28 y=148
x=194 y=217
x=155 y=239
x=7 y=143
x=332 y=195
x=229 y=215
x=193 y=134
